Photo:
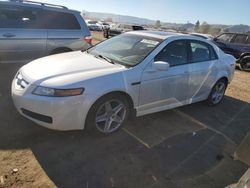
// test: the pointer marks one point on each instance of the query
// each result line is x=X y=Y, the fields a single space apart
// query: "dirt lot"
x=191 y=146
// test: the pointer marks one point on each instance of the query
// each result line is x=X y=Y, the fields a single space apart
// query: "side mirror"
x=161 y=65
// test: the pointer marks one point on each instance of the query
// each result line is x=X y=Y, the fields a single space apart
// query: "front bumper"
x=65 y=113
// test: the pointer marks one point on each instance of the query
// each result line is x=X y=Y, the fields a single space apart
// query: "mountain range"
x=143 y=21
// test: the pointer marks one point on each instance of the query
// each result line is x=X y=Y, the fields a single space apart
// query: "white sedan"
x=136 y=73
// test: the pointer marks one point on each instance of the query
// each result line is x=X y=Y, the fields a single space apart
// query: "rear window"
x=60 y=20
x=20 y=17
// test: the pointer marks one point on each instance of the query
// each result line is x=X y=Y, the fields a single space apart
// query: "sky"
x=227 y=12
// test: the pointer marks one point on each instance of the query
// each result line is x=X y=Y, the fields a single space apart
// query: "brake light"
x=88 y=39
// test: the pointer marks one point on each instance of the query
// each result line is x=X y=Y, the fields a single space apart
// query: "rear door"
x=22 y=35
x=64 y=31
x=239 y=44
x=201 y=70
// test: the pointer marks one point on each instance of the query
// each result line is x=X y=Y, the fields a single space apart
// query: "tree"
x=204 y=28
x=197 y=26
x=158 y=24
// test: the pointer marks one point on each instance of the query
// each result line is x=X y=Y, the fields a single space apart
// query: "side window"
x=248 y=40
x=240 y=39
x=60 y=20
x=19 y=17
x=225 y=37
x=174 y=53
x=199 y=52
x=213 y=54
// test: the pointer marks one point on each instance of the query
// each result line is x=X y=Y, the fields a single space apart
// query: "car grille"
x=21 y=82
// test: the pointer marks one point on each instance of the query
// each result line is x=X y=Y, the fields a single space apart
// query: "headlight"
x=50 y=92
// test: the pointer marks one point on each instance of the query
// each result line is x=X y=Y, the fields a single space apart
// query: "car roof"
x=41 y=5
x=235 y=33
x=156 y=34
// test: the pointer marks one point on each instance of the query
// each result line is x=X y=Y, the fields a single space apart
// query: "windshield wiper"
x=105 y=58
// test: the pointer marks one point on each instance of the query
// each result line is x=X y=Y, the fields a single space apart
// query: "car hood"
x=67 y=68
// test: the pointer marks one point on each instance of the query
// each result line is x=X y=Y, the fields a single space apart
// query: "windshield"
x=126 y=49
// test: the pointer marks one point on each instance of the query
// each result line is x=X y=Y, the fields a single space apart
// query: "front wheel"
x=245 y=63
x=108 y=114
x=217 y=92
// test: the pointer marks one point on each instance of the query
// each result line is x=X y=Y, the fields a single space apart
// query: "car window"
x=199 y=52
x=20 y=17
x=248 y=40
x=138 y=27
x=126 y=49
x=60 y=20
x=225 y=37
x=174 y=53
x=240 y=39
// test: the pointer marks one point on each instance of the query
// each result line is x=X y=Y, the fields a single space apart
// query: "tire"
x=108 y=114
x=245 y=63
x=106 y=34
x=217 y=93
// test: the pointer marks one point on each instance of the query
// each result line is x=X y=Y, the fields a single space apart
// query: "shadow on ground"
x=191 y=146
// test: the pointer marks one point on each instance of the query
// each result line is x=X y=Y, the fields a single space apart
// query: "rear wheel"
x=217 y=92
x=108 y=114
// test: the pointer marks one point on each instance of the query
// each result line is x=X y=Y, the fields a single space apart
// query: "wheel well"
x=121 y=93
x=225 y=79
x=126 y=96
x=244 y=55
x=60 y=50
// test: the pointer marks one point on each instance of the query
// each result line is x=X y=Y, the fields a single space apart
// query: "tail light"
x=88 y=39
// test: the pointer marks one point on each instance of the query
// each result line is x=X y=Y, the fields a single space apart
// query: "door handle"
x=8 y=35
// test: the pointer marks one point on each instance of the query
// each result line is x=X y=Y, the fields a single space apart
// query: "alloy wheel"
x=218 y=92
x=110 y=116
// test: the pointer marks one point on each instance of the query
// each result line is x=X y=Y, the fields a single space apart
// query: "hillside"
x=143 y=21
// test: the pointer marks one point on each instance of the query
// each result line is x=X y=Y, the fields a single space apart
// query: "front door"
x=161 y=90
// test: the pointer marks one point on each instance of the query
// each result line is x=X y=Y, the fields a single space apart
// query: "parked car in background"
x=204 y=36
x=93 y=25
x=139 y=72
x=237 y=45
x=121 y=28
x=29 y=30
x=103 y=25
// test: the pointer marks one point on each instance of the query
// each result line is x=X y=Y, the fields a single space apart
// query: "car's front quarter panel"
x=127 y=81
